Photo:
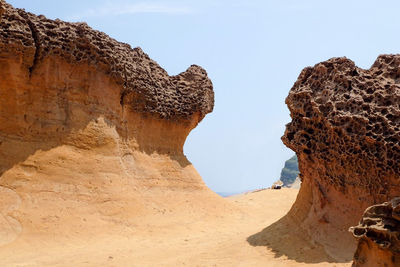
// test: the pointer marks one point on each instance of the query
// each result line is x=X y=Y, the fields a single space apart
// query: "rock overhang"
x=144 y=86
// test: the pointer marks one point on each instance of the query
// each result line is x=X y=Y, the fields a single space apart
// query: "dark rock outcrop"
x=290 y=171
x=345 y=130
x=378 y=235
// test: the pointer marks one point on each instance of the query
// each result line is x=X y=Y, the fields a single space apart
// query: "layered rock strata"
x=345 y=130
x=91 y=131
x=378 y=236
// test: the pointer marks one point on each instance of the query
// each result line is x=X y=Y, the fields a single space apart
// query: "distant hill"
x=290 y=171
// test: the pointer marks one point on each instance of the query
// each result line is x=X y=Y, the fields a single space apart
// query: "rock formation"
x=378 y=236
x=91 y=132
x=345 y=130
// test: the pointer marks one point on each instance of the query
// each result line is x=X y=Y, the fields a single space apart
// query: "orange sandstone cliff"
x=91 y=133
x=345 y=132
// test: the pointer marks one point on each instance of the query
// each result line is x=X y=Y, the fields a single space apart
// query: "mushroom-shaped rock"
x=345 y=130
x=91 y=133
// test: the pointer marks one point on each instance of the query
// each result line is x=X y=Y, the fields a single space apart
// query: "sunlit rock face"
x=378 y=236
x=91 y=131
x=345 y=130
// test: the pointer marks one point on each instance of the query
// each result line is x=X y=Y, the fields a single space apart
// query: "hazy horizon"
x=253 y=52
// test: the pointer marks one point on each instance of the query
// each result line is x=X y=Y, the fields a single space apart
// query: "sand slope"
x=180 y=238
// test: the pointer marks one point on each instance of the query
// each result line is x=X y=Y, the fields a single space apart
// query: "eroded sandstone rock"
x=91 y=134
x=57 y=76
x=345 y=130
x=144 y=85
x=378 y=235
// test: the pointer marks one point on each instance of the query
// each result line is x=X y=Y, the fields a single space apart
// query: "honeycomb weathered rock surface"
x=345 y=130
x=145 y=86
x=91 y=136
x=378 y=235
x=2 y=8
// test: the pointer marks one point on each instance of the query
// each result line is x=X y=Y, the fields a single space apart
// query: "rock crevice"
x=36 y=45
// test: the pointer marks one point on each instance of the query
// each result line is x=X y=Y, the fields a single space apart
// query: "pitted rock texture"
x=57 y=77
x=145 y=86
x=378 y=235
x=91 y=135
x=2 y=8
x=345 y=130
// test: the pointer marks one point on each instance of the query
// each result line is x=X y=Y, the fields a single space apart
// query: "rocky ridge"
x=345 y=132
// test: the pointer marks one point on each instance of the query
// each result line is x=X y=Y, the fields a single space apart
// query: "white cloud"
x=110 y=9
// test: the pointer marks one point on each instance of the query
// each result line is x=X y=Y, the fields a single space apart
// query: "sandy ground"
x=244 y=235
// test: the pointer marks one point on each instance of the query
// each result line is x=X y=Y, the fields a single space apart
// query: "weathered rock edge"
x=345 y=130
x=378 y=235
x=92 y=131
x=145 y=86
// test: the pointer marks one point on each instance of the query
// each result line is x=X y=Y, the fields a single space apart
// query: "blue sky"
x=253 y=51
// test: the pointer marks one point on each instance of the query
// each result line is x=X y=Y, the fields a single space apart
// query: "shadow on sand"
x=284 y=238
